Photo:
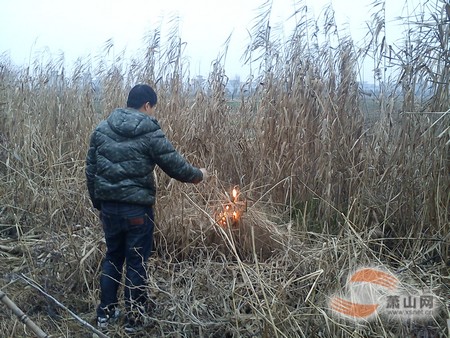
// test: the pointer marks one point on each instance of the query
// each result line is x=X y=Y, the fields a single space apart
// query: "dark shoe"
x=137 y=318
x=133 y=325
x=103 y=322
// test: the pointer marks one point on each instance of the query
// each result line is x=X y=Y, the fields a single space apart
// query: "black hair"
x=140 y=95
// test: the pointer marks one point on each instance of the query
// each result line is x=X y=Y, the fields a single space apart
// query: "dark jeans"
x=129 y=237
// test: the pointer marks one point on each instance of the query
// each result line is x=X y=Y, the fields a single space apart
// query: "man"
x=123 y=152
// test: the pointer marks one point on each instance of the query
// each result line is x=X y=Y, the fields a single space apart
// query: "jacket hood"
x=130 y=122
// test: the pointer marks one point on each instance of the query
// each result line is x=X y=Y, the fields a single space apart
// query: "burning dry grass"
x=325 y=193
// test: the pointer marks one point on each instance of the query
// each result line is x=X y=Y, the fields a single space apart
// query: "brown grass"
x=327 y=191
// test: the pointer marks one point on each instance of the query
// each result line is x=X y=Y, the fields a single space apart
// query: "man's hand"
x=205 y=173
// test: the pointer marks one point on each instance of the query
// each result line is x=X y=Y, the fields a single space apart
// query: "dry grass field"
x=333 y=180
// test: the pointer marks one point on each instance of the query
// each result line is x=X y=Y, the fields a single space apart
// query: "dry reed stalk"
x=22 y=316
x=33 y=284
x=329 y=190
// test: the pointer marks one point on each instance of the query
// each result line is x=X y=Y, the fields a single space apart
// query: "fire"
x=234 y=194
x=232 y=210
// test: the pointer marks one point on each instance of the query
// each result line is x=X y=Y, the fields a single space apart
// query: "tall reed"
x=329 y=185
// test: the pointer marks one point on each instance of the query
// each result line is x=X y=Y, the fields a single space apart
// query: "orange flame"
x=234 y=194
x=231 y=212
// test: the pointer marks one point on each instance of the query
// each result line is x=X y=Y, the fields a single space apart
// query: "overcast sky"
x=81 y=28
